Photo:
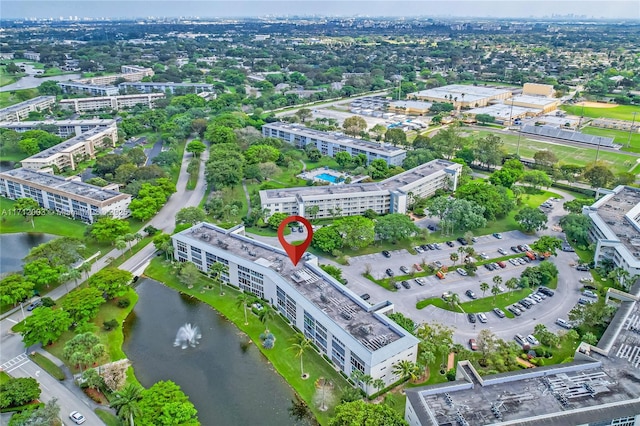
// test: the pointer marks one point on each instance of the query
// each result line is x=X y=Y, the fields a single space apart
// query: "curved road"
x=30 y=81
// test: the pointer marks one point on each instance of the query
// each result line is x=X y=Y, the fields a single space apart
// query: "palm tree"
x=483 y=288
x=403 y=368
x=72 y=274
x=512 y=283
x=126 y=402
x=266 y=314
x=379 y=384
x=454 y=258
x=454 y=299
x=462 y=251
x=300 y=345
x=170 y=250
x=356 y=376
x=129 y=238
x=495 y=290
x=85 y=268
x=497 y=280
x=215 y=271
x=121 y=245
x=241 y=301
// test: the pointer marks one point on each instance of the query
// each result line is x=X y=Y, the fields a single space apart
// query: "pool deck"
x=316 y=173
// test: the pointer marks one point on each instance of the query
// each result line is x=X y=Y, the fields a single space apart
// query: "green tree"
x=216 y=271
x=28 y=207
x=15 y=288
x=327 y=239
x=378 y=169
x=83 y=304
x=242 y=300
x=300 y=344
x=223 y=173
x=496 y=201
x=343 y=159
x=41 y=273
x=536 y=179
x=495 y=291
x=111 y=281
x=511 y=172
x=531 y=219
x=356 y=231
x=304 y=114
x=107 y=229
x=395 y=137
x=313 y=211
x=276 y=219
x=196 y=147
x=217 y=134
x=489 y=150
x=190 y=215
x=18 y=391
x=362 y=413
x=50 y=88
x=454 y=258
x=403 y=321
x=45 y=325
x=591 y=315
x=547 y=244
x=29 y=146
x=576 y=227
x=483 y=288
x=164 y=404
x=545 y=158
x=394 y=227
x=84 y=349
x=126 y=401
x=575 y=206
x=45 y=415
x=405 y=369
x=598 y=175
x=261 y=154
x=189 y=274
x=354 y=125
x=589 y=338
x=267 y=313
x=485 y=118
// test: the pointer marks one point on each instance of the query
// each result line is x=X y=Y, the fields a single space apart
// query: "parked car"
x=502 y=264
x=34 y=305
x=432 y=246
x=426 y=247
x=365 y=296
x=474 y=239
x=520 y=339
x=471 y=294
x=432 y=228
x=450 y=243
x=473 y=345
x=420 y=281
x=386 y=253
x=462 y=272
x=526 y=303
x=417 y=267
x=437 y=264
x=532 y=339
x=489 y=266
x=515 y=311
x=515 y=249
x=389 y=272
x=484 y=256
x=589 y=293
x=446 y=295
x=482 y=318
x=406 y=284
x=521 y=249
x=300 y=229
x=418 y=249
x=536 y=297
x=471 y=318
x=502 y=251
x=440 y=275
x=77 y=418
x=586 y=280
x=514 y=262
x=437 y=246
x=585 y=301
x=404 y=269
x=546 y=291
x=497 y=235
x=463 y=241
x=582 y=267
x=563 y=323
x=499 y=312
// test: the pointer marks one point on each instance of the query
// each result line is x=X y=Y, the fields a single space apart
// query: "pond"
x=14 y=247
x=228 y=380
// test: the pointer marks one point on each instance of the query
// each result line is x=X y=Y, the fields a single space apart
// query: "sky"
x=244 y=8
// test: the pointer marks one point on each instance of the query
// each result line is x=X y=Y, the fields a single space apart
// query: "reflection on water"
x=14 y=247
x=226 y=378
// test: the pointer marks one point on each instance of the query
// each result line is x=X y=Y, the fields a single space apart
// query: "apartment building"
x=21 y=111
x=461 y=95
x=391 y=195
x=32 y=56
x=129 y=73
x=164 y=87
x=87 y=88
x=111 y=102
x=66 y=196
x=353 y=334
x=615 y=229
x=65 y=128
x=330 y=143
x=68 y=153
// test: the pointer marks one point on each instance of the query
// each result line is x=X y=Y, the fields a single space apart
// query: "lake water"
x=230 y=383
x=14 y=247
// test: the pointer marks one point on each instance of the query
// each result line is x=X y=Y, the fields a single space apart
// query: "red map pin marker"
x=295 y=252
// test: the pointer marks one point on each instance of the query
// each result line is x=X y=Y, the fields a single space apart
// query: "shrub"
x=451 y=375
x=47 y=302
x=268 y=344
x=110 y=325
x=151 y=230
x=124 y=303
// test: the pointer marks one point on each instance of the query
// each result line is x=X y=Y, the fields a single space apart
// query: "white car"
x=532 y=339
x=484 y=255
x=514 y=262
x=77 y=417
x=502 y=251
x=482 y=318
x=462 y=272
x=418 y=249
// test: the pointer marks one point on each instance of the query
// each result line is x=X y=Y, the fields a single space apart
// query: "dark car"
x=34 y=305
x=471 y=294
x=389 y=272
x=526 y=259
x=515 y=249
x=365 y=296
x=472 y=318
x=582 y=267
x=425 y=247
x=300 y=228
x=450 y=243
x=489 y=266
x=546 y=291
x=463 y=241
x=497 y=235
x=406 y=284
x=385 y=253
x=431 y=246
x=526 y=303
x=522 y=248
x=432 y=228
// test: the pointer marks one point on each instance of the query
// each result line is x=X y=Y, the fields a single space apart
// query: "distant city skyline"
x=11 y=9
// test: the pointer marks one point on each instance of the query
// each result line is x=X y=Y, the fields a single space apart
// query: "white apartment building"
x=330 y=143
x=615 y=227
x=150 y=87
x=352 y=333
x=21 y=111
x=32 y=56
x=391 y=195
x=129 y=73
x=65 y=128
x=65 y=196
x=68 y=153
x=111 y=102
x=90 y=89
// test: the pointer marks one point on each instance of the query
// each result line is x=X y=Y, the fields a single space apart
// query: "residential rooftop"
x=54 y=182
x=59 y=123
x=338 y=302
x=62 y=146
x=22 y=105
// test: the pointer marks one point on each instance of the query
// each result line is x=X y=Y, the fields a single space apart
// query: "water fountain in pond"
x=188 y=335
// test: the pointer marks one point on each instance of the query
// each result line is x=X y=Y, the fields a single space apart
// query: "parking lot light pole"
x=631 y=128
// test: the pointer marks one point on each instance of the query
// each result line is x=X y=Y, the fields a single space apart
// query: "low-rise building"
x=65 y=128
x=68 y=153
x=86 y=88
x=541 y=103
x=65 y=196
x=537 y=89
x=504 y=114
x=330 y=143
x=129 y=73
x=391 y=195
x=615 y=227
x=111 y=102
x=164 y=87
x=21 y=111
x=461 y=95
x=353 y=334
x=32 y=56
x=410 y=107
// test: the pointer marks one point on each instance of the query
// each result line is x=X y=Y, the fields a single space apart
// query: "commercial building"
x=68 y=153
x=504 y=114
x=461 y=95
x=544 y=105
x=129 y=73
x=86 y=88
x=388 y=196
x=332 y=143
x=64 y=195
x=65 y=128
x=536 y=89
x=615 y=228
x=111 y=102
x=21 y=111
x=410 y=107
x=601 y=386
x=164 y=87
x=353 y=334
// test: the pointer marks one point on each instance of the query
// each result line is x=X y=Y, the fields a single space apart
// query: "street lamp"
x=598 y=151
x=518 y=146
x=631 y=128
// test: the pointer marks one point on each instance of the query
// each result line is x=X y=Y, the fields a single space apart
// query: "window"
x=356 y=363
x=321 y=337
x=337 y=353
x=182 y=247
x=309 y=325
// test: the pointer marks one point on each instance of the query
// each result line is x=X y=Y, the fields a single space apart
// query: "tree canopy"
x=45 y=325
x=113 y=282
x=394 y=227
x=357 y=413
x=164 y=404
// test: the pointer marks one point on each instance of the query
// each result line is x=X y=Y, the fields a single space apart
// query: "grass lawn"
x=397 y=401
x=618 y=161
x=13 y=156
x=193 y=177
x=619 y=136
x=4 y=377
x=47 y=365
x=280 y=356
x=620 y=112
x=484 y=304
x=16 y=96
x=108 y=418
x=566 y=350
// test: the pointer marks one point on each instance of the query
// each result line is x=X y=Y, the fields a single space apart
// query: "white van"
x=563 y=323
x=520 y=339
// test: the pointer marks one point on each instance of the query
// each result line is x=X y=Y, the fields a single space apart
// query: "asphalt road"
x=30 y=82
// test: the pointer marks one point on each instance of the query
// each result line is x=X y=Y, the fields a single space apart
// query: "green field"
x=619 y=137
x=16 y=96
x=618 y=161
x=620 y=112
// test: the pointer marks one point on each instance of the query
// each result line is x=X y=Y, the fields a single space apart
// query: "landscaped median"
x=484 y=304
x=281 y=357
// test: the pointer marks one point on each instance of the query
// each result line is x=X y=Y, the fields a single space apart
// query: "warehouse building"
x=66 y=196
x=391 y=195
x=410 y=107
x=353 y=334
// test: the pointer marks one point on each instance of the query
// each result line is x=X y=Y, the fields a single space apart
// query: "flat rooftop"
x=21 y=105
x=619 y=212
x=394 y=183
x=108 y=98
x=333 y=298
x=61 y=184
x=337 y=137
x=84 y=85
x=502 y=111
x=62 y=146
x=534 y=100
x=471 y=93
x=140 y=83
x=411 y=104
x=59 y=123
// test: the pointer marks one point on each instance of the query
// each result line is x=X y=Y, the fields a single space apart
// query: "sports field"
x=619 y=161
x=620 y=137
x=598 y=110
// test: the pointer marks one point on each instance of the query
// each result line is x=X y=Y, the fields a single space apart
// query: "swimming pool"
x=327 y=177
